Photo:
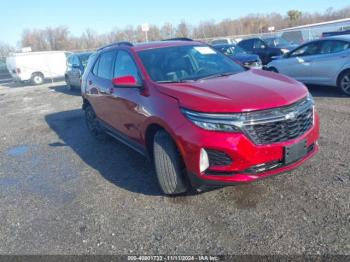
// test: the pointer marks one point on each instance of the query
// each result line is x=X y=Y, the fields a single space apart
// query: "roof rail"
x=178 y=39
x=116 y=44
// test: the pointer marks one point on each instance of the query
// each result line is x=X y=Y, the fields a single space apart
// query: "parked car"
x=321 y=62
x=266 y=48
x=327 y=34
x=76 y=64
x=36 y=66
x=4 y=73
x=298 y=37
x=222 y=41
x=239 y=54
x=202 y=118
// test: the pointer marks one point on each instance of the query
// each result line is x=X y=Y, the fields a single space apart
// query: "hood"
x=246 y=91
x=243 y=58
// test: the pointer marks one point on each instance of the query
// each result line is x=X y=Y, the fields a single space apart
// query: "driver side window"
x=125 y=66
x=306 y=50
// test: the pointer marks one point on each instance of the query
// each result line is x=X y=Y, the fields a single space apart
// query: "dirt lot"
x=62 y=192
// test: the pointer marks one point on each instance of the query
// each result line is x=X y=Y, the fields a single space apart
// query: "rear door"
x=331 y=59
x=128 y=103
x=99 y=85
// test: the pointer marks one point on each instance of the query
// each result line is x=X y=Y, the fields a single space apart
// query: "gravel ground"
x=62 y=192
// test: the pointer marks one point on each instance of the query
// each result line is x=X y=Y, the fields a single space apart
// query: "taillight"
x=18 y=70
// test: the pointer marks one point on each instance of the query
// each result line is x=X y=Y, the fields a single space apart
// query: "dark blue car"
x=239 y=54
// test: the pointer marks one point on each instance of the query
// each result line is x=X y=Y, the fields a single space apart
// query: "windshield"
x=231 y=50
x=274 y=42
x=186 y=63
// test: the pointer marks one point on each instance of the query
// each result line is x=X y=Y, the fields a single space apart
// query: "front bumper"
x=244 y=153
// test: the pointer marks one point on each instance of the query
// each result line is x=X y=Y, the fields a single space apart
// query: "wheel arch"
x=151 y=129
x=346 y=69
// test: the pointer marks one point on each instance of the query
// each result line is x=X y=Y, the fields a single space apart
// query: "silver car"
x=322 y=62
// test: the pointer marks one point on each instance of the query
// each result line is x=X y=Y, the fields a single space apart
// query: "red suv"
x=203 y=119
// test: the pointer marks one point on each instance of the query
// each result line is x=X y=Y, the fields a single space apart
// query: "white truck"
x=37 y=66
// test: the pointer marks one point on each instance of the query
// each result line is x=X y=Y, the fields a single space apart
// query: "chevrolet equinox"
x=203 y=119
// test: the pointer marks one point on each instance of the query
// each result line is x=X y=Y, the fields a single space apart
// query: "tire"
x=272 y=69
x=343 y=82
x=93 y=125
x=37 y=79
x=169 y=166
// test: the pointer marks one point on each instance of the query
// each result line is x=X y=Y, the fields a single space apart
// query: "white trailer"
x=37 y=66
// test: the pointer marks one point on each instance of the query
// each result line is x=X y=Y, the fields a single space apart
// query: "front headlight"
x=215 y=122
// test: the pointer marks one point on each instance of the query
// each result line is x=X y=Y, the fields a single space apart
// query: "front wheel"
x=344 y=83
x=169 y=166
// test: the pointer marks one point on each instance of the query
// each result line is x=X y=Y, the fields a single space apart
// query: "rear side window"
x=339 y=46
x=334 y=46
x=104 y=66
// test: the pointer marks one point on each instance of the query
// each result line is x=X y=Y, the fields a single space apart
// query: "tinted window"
x=125 y=66
x=247 y=44
x=339 y=46
x=70 y=61
x=105 y=65
x=308 y=49
x=180 y=63
x=76 y=61
x=259 y=44
x=84 y=59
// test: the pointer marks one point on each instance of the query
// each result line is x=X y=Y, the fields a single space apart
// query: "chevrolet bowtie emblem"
x=291 y=116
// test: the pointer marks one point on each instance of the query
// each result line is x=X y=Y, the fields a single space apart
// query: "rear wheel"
x=170 y=169
x=37 y=79
x=344 y=82
x=93 y=125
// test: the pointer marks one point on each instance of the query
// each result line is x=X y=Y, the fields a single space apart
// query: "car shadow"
x=325 y=91
x=114 y=161
x=64 y=89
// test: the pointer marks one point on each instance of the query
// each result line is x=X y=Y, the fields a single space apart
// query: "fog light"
x=203 y=160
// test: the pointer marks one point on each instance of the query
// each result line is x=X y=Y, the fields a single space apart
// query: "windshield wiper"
x=216 y=75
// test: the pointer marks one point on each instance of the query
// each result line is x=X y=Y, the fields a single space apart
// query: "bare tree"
x=5 y=49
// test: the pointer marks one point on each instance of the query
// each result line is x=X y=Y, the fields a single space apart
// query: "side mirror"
x=125 y=81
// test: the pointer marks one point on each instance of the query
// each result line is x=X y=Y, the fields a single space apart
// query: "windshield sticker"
x=205 y=50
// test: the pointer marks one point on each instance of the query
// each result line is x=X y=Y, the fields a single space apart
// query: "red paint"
x=133 y=110
x=124 y=81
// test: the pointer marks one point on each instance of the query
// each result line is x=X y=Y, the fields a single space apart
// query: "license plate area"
x=295 y=152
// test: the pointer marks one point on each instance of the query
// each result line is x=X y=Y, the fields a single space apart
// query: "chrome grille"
x=280 y=124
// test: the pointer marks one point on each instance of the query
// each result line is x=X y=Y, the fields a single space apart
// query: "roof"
x=163 y=44
x=316 y=24
x=37 y=53
x=338 y=37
